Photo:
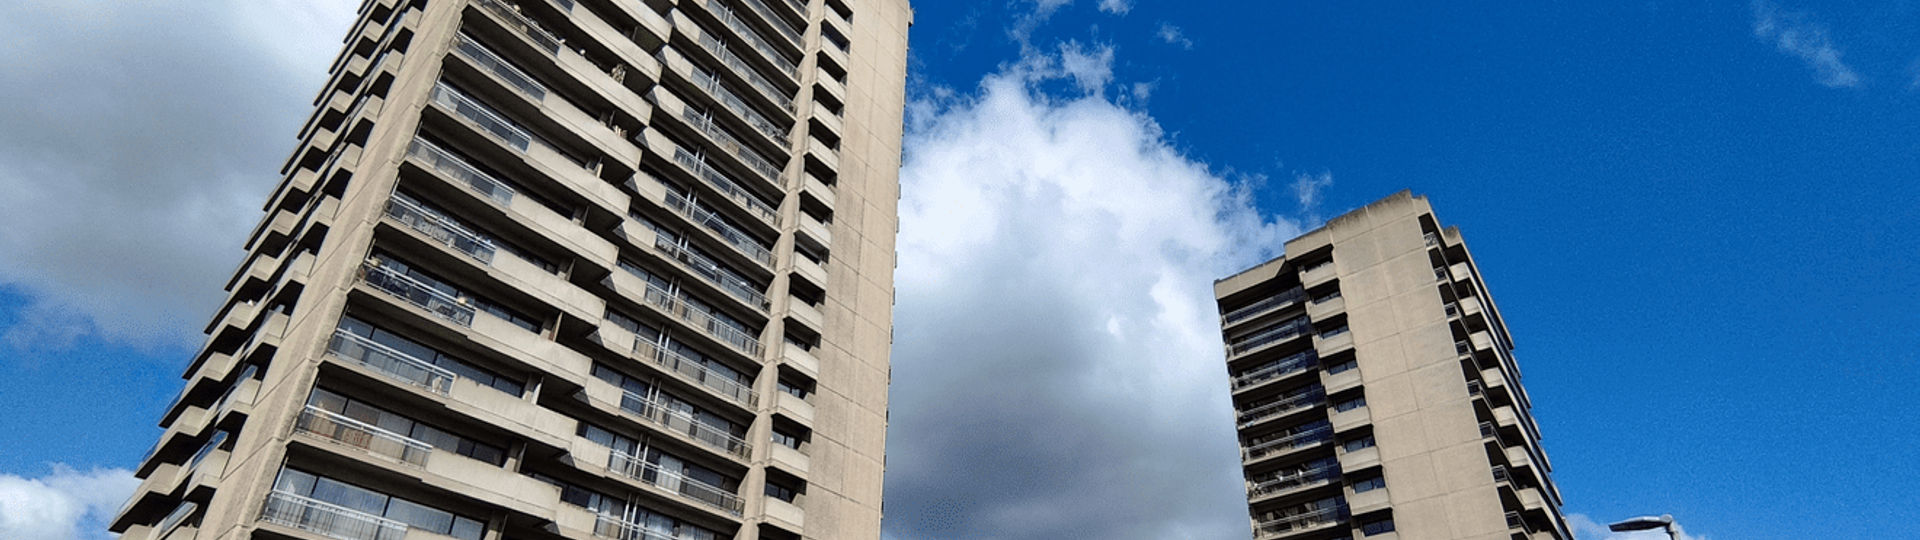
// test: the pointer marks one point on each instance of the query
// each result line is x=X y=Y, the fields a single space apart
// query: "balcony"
x=677 y=422
x=1293 y=481
x=785 y=515
x=712 y=45
x=1317 y=274
x=1326 y=307
x=1269 y=336
x=1281 y=407
x=800 y=359
x=1312 y=520
x=482 y=117
x=793 y=461
x=1299 y=362
x=539 y=36
x=392 y=363
x=1333 y=341
x=416 y=293
x=366 y=437
x=698 y=264
x=826 y=156
x=1314 y=435
x=779 y=24
x=696 y=166
x=452 y=169
x=1349 y=419
x=330 y=520
x=720 y=136
x=806 y=314
x=700 y=320
x=1265 y=305
x=793 y=407
x=711 y=222
x=812 y=188
x=492 y=63
x=676 y=483
x=752 y=37
x=812 y=231
x=610 y=526
x=710 y=83
x=806 y=269
x=696 y=373
x=438 y=159
x=437 y=227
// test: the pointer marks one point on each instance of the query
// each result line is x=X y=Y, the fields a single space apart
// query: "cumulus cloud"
x=1035 y=15
x=1172 y=35
x=1797 y=35
x=1057 y=371
x=1091 y=69
x=66 y=504
x=1307 y=189
x=1116 y=7
x=139 y=141
x=1586 y=528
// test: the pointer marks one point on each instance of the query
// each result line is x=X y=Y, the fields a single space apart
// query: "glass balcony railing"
x=482 y=116
x=441 y=229
x=1433 y=240
x=390 y=362
x=753 y=39
x=1292 y=364
x=697 y=372
x=1282 y=406
x=1315 y=433
x=421 y=295
x=1312 y=519
x=758 y=82
x=448 y=163
x=798 y=6
x=338 y=428
x=174 y=518
x=493 y=63
x=710 y=271
x=680 y=204
x=710 y=83
x=732 y=146
x=520 y=23
x=702 y=320
x=682 y=422
x=328 y=519
x=721 y=183
x=1264 y=305
x=1289 y=479
x=612 y=527
x=1296 y=327
x=652 y=474
x=779 y=24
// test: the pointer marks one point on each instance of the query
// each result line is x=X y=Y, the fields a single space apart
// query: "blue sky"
x=1696 y=217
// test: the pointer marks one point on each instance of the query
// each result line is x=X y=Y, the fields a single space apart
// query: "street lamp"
x=1647 y=523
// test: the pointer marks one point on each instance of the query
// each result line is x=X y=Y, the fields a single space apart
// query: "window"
x=793 y=389
x=1343 y=367
x=437 y=284
x=1351 y=404
x=1327 y=297
x=781 y=492
x=429 y=355
x=359 y=499
x=784 y=439
x=1334 y=332
x=603 y=437
x=407 y=427
x=1378 y=526
x=1358 y=444
x=1369 y=484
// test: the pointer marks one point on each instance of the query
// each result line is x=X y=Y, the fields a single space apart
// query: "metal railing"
x=1500 y=474
x=1298 y=362
x=610 y=526
x=1311 y=519
x=1296 y=327
x=329 y=519
x=697 y=372
x=1281 y=406
x=725 y=185
x=1267 y=304
x=1473 y=388
x=421 y=295
x=799 y=6
x=1287 y=479
x=1317 y=433
x=684 y=423
x=703 y=320
x=233 y=392
x=779 y=24
x=1433 y=240
x=1463 y=347
x=440 y=228
x=486 y=59
x=1453 y=310
x=651 y=474
x=758 y=82
x=1439 y=274
x=700 y=265
x=173 y=519
x=680 y=204
x=710 y=82
x=341 y=429
x=391 y=362
x=519 y=22
x=482 y=116
x=446 y=162
x=1514 y=521
x=753 y=38
x=731 y=145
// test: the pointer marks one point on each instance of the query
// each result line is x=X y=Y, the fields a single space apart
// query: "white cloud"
x=1172 y=35
x=1307 y=189
x=1796 y=35
x=66 y=504
x=1586 y=528
x=1116 y=7
x=1055 y=275
x=138 y=145
x=1091 y=70
x=1025 y=23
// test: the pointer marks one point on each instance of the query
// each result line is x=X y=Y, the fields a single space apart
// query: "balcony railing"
x=758 y=82
x=1312 y=519
x=1264 y=305
x=519 y=22
x=1282 y=406
x=732 y=146
x=440 y=229
x=482 y=116
x=1514 y=521
x=752 y=37
x=1298 y=362
x=1453 y=310
x=390 y=362
x=652 y=474
x=710 y=271
x=1433 y=240
x=1293 y=478
x=421 y=295
x=1319 y=432
x=1500 y=474
x=680 y=204
x=362 y=435
x=328 y=519
x=452 y=165
x=486 y=59
x=1293 y=328
x=723 y=184
x=779 y=24
x=702 y=320
x=610 y=526
x=174 y=518
x=683 y=423
x=709 y=82
x=697 y=372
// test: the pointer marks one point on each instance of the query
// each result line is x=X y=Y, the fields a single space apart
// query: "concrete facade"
x=1375 y=389
x=544 y=269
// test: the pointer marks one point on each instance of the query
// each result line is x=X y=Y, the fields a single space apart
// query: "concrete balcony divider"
x=707 y=81
x=830 y=121
x=1359 y=459
x=818 y=151
x=793 y=407
x=832 y=86
x=785 y=515
x=792 y=460
x=1334 y=344
x=1368 y=501
x=806 y=314
x=800 y=359
x=1342 y=381
x=817 y=190
x=1349 y=419
x=813 y=229
x=1327 y=308
x=1317 y=274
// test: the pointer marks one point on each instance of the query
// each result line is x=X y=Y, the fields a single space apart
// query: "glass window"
x=1369 y=484
x=1351 y=404
x=778 y=491
x=1359 y=444
x=783 y=439
x=1343 y=367
x=1378 y=526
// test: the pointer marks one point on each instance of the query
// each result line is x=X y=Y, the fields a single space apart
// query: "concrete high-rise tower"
x=545 y=269
x=1375 y=391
